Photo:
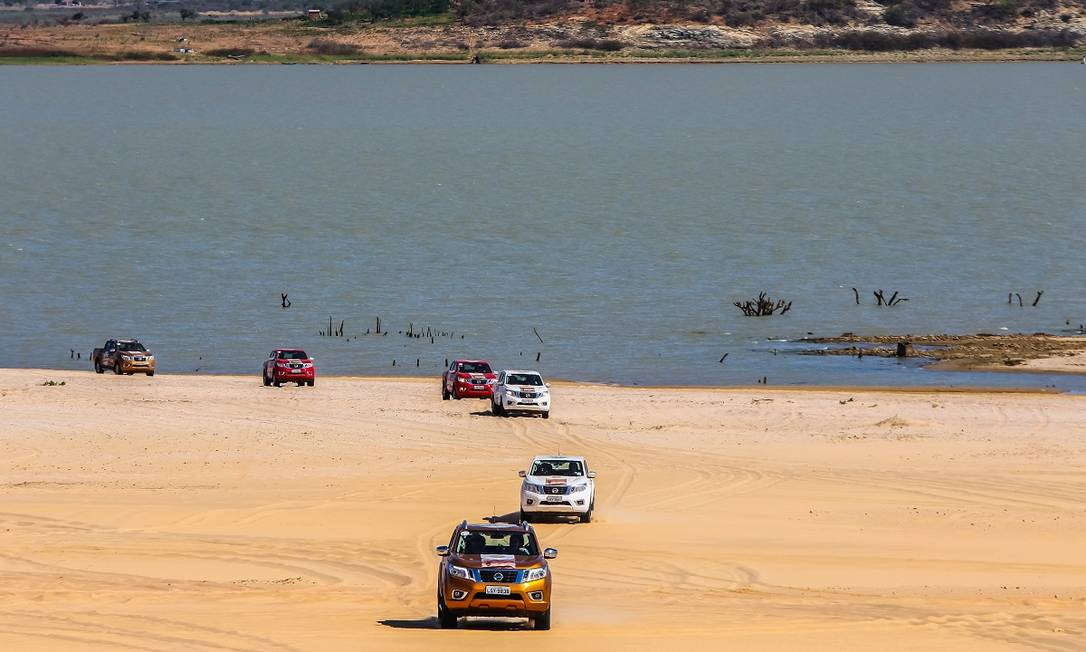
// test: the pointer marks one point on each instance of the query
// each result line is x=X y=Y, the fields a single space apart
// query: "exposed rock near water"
x=982 y=350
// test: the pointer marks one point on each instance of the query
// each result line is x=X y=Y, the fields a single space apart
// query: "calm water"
x=618 y=210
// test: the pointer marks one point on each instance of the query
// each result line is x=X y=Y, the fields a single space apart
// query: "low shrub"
x=999 y=10
x=972 y=39
x=143 y=55
x=330 y=47
x=34 y=52
x=231 y=52
x=607 y=45
x=740 y=18
x=511 y=44
x=900 y=15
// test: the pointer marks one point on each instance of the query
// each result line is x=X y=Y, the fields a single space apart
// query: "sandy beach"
x=210 y=513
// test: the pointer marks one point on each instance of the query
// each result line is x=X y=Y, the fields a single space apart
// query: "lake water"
x=618 y=210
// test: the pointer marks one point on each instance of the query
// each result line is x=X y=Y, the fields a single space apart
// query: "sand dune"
x=210 y=513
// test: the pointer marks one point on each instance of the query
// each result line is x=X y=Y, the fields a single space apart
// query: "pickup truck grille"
x=508 y=575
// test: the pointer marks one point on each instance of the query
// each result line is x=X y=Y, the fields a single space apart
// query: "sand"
x=210 y=513
x=1073 y=363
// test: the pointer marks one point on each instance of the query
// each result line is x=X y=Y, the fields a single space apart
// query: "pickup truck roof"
x=564 y=458
x=499 y=527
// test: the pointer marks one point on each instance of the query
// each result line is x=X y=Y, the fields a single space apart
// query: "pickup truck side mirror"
x=547 y=384
x=442 y=551
x=522 y=474
x=550 y=553
x=591 y=474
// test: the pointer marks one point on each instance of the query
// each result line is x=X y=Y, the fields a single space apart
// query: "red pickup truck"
x=468 y=379
x=289 y=366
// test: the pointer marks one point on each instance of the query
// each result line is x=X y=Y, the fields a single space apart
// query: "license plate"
x=497 y=590
x=480 y=387
x=553 y=499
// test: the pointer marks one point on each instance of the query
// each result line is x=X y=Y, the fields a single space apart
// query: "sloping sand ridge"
x=210 y=513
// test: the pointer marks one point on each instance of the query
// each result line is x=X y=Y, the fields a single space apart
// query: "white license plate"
x=553 y=499
x=497 y=590
x=480 y=387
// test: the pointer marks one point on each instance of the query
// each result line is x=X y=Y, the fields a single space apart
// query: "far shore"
x=301 y=43
x=987 y=352
x=662 y=57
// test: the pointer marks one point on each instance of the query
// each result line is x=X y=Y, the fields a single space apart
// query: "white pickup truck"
x=521 y=391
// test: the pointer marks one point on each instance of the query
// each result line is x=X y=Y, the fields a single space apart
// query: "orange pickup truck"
x=123 y=357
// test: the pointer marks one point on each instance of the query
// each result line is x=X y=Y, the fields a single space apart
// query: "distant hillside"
x=746 y=13
x=874 y=25
x=956 y=14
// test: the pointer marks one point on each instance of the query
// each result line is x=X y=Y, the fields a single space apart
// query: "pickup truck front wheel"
x=587 y=516
x=265 y=379
x=98 y=367
x=543 y=620
x=117 y=369
x=445 y=619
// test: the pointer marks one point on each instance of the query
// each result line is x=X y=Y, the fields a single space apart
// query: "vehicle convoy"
x=468 y=379
x=123 y=357
x=494 y=569
x=289 y=366
x=521 y=391
x=558 y=485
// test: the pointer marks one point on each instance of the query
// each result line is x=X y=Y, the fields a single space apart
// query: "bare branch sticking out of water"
x=763 y=306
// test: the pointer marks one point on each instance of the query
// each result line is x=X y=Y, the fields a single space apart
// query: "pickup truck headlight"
x=534 y=488
x=512 y=393
x=126 y=357
x=461 y=572
x=535 y=574
x=579 y=488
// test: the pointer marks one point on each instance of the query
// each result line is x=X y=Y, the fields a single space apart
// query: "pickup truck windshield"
x=524 y=379
x=496 y=543
x=473 y=368
x=558 y=467
x=130 y=346
x=292 y=355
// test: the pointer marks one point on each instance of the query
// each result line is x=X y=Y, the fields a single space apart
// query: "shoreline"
x=662 y=57
x=420 y=379
x=452 y=43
